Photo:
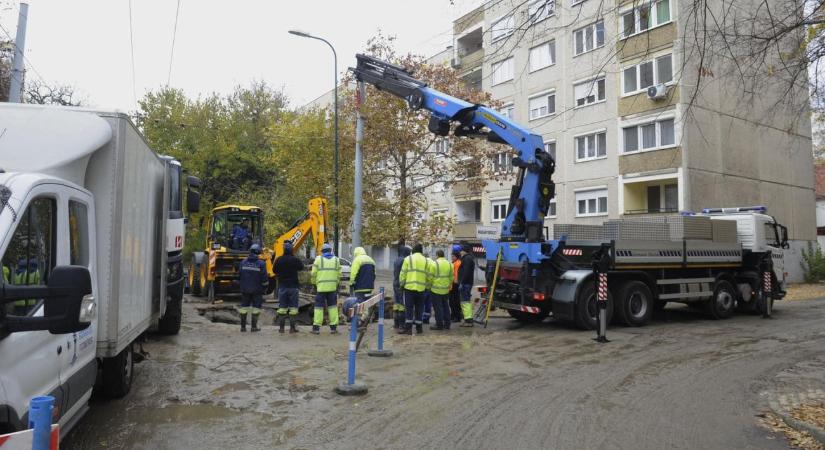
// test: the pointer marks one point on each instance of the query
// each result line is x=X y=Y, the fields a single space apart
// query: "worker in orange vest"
x=455 y=303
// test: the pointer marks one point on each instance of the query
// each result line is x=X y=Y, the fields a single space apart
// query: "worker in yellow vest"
x=415 y=280
x=326 y=274
x=441 y=273
x=27 y=274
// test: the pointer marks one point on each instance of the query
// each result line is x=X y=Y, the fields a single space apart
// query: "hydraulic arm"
x=534 y=188
x=313 y=223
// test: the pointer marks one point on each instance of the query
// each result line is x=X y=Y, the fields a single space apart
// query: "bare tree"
x=43 y=94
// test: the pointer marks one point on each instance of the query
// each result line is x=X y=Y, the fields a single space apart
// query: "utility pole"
x=18 y=68
x=359 y=164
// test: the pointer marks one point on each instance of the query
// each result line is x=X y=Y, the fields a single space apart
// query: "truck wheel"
x=202 y=281
x=634 y=305
x=723 y=302
x=195 y=279
x=587 y=310
x=169 y=324
x=525 y=317
x=118 y=373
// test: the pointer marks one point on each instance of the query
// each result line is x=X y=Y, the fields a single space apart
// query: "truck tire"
x=723 y=302
x=634 y=305
x=525 y=317
x=169 y=324
x=118 y=373
x=586 y=311
x=195 y=279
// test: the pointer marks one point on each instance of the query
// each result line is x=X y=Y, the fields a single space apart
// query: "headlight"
x=88 y=309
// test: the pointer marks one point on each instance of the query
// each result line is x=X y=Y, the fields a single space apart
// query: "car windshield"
x=238 y=230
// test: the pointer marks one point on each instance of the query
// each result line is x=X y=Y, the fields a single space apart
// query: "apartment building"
x=611 y=88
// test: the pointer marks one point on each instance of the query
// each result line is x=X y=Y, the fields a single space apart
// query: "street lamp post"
x=335 y=164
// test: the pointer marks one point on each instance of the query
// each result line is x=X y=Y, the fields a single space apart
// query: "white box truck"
x=91 y=236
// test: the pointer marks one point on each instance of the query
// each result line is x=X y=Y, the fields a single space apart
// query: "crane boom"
x=530 y=196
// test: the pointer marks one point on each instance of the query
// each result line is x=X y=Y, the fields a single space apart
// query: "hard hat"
x=288 y=246
x=326 y=248
x=255 y=249
x=456 y=248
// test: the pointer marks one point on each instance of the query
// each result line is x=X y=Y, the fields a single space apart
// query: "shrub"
x=813 y=263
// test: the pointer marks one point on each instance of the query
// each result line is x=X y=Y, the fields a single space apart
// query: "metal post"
x=40 y=419
x=359 y=163
x=381 y=351
x=18 y=67
x=351 y=387
x=337 y=177
x=601 y=299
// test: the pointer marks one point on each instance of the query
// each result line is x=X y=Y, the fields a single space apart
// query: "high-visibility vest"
x=26 y=278
x=442 y=275
x=326 y=272
x=414 y=275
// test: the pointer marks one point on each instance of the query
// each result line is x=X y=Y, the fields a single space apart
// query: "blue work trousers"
x=414 y=306
x=441 y=308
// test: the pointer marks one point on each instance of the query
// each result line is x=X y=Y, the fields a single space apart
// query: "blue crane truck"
x=718 y=260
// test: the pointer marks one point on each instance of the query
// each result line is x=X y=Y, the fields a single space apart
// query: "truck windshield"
x=175 y=198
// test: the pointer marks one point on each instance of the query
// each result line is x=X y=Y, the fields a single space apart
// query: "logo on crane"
x=440 y=102
x=296 y=236
x=494 y=120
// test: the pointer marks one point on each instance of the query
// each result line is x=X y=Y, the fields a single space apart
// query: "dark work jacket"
x=365 y=278
x=466 y=271
x=396 y=269
x=286 y=268
x=252 y=275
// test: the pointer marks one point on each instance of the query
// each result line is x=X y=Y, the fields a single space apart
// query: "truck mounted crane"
x=718 y=260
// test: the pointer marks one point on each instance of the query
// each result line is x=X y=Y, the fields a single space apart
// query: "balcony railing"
x=471 y=60
x=651 y=211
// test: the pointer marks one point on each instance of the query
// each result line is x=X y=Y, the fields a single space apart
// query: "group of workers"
x=420 y=284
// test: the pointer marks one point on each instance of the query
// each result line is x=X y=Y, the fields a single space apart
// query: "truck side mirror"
x=193 y=195
x=68 y=307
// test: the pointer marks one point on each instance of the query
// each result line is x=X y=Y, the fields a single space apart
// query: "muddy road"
x=684 y=381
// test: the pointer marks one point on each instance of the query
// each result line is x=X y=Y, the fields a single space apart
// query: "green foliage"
x=813 y=263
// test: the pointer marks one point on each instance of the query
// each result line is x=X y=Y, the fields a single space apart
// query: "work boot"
x=419 y=328
x=255 y=323
x=467 y=323
x=293 y=326
x=333 y=329
x=316 y=329
x=405 y=330
x=282 y=324
x=243 y=323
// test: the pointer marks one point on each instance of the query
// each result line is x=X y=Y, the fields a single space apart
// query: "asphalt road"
x=684 y=381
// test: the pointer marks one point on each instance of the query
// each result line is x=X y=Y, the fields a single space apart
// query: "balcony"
x=470 y=61
x=659 y=195
x=465 y=230
x=465 y=191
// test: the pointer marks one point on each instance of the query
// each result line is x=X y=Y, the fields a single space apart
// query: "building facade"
x=612 y=90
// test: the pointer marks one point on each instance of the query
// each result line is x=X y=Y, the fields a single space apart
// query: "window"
x=551 y=211
x=540 y=10
x=542 y=56
x=587 y=38
x=78 y=234
x=649 y=136
x=419 y=182
x=507 y=110
x=550 y=147
x=502 y=71
x=591 y=146
x=499 y=211
x=591 y=203
x=589 y=92
x=439 y=212
x=542 y=105
x=658 y=195
x=30 y=256
x=442 y=147
x=639 y=77
x=502 y=28
x=503 y=162
x=645 y=17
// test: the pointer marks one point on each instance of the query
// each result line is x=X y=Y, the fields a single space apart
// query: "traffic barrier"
x=351 y=387
x=601 y=300
x=41 y=435
x=380 y=351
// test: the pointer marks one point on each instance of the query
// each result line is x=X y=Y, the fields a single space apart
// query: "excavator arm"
x=534 y=188
x=313 y=223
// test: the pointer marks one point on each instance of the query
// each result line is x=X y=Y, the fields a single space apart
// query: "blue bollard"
x=380 y=352
x=351 y=387
x=40 y=419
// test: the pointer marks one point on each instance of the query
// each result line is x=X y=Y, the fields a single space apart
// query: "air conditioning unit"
x=657 y=92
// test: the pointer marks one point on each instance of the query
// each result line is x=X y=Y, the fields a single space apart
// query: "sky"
x=218 y=44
